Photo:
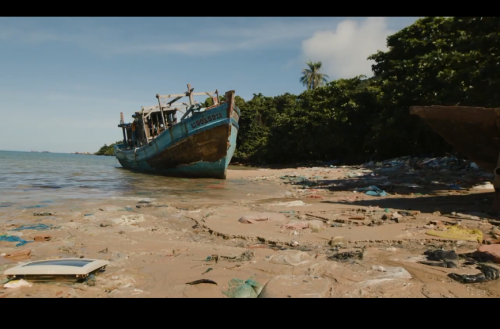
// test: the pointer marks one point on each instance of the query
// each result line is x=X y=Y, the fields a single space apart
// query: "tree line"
x=435 y=61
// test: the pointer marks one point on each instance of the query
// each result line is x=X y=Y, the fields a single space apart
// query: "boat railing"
x=153 y=120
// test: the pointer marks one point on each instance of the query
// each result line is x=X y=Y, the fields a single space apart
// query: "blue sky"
x=64 y=81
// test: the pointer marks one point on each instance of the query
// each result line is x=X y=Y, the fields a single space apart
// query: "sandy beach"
x=279 y=227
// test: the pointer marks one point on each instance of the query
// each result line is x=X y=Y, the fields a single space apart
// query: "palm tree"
x=311 y=77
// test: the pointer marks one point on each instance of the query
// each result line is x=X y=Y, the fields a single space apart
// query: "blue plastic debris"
x=369 y=188
x=38 y=227
x=376 y=193
x=9 y=238
x=86 y=215
x=243 y=289
x=455 y=187
x=34 y=207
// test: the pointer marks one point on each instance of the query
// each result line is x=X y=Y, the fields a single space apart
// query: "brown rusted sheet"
x=209 y=146
x=472 y=131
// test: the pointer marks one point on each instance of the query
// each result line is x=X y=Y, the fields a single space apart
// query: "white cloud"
x=344 y=51
x=205 y=40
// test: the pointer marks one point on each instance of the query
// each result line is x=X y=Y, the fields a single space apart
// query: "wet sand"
x=155 y=251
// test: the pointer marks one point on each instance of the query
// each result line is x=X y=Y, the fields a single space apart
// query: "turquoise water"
x=43 y=178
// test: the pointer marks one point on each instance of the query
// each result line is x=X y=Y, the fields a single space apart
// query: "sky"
x=65 y=80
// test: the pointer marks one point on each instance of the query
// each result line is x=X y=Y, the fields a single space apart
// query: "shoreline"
x=156 y=249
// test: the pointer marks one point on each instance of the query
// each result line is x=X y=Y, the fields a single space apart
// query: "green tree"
x=312 y=77
x=108 y=150
x=435 y=61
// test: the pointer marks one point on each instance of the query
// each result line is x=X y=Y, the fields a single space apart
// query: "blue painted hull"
x=201 y=146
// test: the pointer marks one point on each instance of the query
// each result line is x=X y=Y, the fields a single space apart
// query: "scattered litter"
x=455 y=187
x=378 y=193
x=87 y=215
x=488 y=273
x=459 y=233
x=243 y=289
x=19 y=255
x=208 y=270
x=369 y=188
x=109 y=208
x=297 y=203
x=37 y=227
x=314 y=196
x=252 y=219
x=441 y=258
x=391 y=274
x=346 y=256
x=17 y=284
x=289 y=257
x=484 y=186
x=33 y=207
x=42 y=238
x=67 y=268
x=297 y=286
x=296 y=225
x=379 y=268
x=244 y=257
x=202 y=281
x=9 y=238
x=43 y=214
x=316 y=226
x=473 y=165
x=129 y=219
x=212 y=258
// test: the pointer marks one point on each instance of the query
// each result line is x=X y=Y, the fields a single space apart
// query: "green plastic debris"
x=386 y=210
x=243 y=289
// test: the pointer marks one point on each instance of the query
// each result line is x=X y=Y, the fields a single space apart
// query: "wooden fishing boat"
x=201 y=144
x=472 y=131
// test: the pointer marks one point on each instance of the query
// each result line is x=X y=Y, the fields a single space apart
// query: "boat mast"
x=161 y=111
x=190 y=94
x=122 y=123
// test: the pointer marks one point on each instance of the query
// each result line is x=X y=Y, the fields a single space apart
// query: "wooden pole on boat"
x=144 y=126
x=218 y=98
x=122 y=122
x=161 y=111
x=191 y=100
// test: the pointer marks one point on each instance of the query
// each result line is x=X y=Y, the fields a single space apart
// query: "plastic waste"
x=376 y=193
x=369 y=188
x=8 y=238
x=243 y=289
x=454 y=187
x=38 y=227
x=17 y=284
x=33 y=207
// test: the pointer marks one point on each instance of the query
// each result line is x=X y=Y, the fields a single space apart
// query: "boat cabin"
x=151 y=121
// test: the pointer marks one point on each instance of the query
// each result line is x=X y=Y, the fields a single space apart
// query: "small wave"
x=47 y=186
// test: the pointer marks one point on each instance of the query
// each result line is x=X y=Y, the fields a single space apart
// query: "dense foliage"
x=107 y=150
x=435 y=61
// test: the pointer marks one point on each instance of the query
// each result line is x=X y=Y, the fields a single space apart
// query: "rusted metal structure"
x=472 y=131
x=200 y=144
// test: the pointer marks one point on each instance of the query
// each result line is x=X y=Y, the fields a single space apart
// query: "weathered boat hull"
x=200 y=146
x=472 y=131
